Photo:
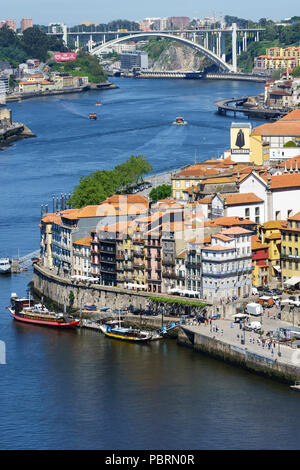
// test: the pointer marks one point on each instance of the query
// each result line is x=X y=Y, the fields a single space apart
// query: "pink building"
x=12 y=24
x=26 y=23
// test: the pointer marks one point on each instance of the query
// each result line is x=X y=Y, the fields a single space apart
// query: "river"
x=78 y=389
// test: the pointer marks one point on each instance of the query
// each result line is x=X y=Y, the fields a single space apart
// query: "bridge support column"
x=65 y=34
x=234 y=58
x=223 y=53
x=77 y=42
x=245 y=42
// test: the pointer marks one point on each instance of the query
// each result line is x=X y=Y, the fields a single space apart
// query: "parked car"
x=276 y=291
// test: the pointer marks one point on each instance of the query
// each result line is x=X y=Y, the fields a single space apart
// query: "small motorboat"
x=179 y=120
x=98 y=103
x=93 y=116
x=296 y=386
x=5 y=266
x=90 y=307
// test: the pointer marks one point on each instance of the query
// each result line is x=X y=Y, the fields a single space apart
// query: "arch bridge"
x=219 y=61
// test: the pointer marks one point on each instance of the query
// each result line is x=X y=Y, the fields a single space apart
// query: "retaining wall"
x=237 y=356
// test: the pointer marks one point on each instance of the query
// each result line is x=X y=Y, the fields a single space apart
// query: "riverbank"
x=14 y=132
x=92 y=86
x=254 y=112
x=222 y=339
x=228 y=345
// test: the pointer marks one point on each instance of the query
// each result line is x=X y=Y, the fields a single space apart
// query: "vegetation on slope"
x=85 y=65
x=100 y=185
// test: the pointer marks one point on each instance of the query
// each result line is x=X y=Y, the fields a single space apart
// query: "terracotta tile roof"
x=278 y=128
x=256 y=244
x=242 y=198
x=126 y=199
x=274 y=224
x=236 y=231
x=51 y=218
x=90 y=211
x=222 y=237
x=290 y=161
x=295 y=217
x=231 y=221
x=86 y=241
x=217 y=248
x=285 y=181
x=292 y=116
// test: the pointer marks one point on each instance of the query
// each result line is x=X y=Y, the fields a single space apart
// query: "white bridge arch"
x=206 y=52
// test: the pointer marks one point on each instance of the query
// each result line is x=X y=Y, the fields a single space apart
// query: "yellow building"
x=259 y=149
x=270 y=234
x=63 y=81
x=290 y=251
x=260 y=265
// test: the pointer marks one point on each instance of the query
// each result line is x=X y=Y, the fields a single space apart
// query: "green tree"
x=160 y=192
x=101 y=184
x=35 y=43
x=296 y=72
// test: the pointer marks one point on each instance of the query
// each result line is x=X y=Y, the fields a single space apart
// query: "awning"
x=293 y=281
x=277 y=268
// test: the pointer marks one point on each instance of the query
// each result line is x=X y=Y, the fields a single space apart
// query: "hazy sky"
x=74 y=11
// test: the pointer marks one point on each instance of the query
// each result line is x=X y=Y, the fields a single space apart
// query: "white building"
x=279 y=192
x=81 y=264
x=226 y=265
x=245 y=205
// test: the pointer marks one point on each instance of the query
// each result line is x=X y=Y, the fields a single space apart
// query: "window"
x=177 y=184
x=247 y=212
x=256 y=210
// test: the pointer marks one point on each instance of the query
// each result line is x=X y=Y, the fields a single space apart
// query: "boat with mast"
x=24 y=310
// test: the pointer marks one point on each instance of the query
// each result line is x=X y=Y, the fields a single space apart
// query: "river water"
x=78 y=389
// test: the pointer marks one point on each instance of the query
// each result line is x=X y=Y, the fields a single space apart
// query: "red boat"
x=25 y=311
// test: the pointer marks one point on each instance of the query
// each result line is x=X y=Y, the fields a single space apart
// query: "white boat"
x=5 y=266
x=296 y=386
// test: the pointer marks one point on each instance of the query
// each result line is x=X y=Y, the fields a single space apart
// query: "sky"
x=72 y=12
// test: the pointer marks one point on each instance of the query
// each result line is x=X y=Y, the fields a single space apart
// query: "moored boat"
x=24 y=310
x=296 y=386
x=5 y=266
x=126 y=334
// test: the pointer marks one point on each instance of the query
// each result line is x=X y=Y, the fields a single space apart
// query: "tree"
x=101 y=184
x=35 y=43
x=296 y=72
x=160 y=192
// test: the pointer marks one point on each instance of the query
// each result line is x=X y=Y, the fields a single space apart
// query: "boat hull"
x=54 y=324
x=128 y=337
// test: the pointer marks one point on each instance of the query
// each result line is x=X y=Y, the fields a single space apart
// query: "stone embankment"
x=279 y=362
x=91 y=86
x=61 y=290
x=14 y=132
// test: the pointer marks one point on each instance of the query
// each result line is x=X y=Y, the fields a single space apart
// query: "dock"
x=225 y=106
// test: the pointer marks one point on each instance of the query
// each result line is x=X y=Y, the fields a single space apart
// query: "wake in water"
x=72 y=109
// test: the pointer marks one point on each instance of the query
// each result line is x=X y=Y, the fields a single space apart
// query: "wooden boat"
x=126 y=334
x=296 y=386
x=98 y=103
x=90 y=307
x=93 y=116
x=180 y=120
x=25 y=311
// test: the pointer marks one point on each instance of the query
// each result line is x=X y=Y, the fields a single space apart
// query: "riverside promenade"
x=225 y=340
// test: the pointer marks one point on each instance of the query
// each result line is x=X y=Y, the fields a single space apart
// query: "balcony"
x=168 y=262
x=170 y=275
